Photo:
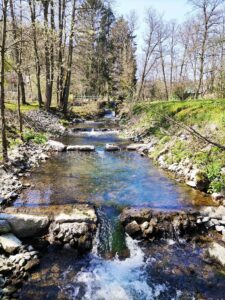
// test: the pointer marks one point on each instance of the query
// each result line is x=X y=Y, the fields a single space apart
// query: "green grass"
x=206 y=116
x=195 y=112
x=24 y=108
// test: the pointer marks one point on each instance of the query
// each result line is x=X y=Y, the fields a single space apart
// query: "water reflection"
x=123 y=178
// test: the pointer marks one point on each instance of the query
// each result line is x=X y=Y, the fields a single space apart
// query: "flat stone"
x=4 y=227
x=56 y=146
x=112 y=147
x=135 y=147
x=77 y=215
x=24 y=225
x=10 y=243
x=85 y=148
x=217 y=252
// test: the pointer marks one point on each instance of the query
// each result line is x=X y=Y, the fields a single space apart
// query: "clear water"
x=105 y=178
x=118 y=267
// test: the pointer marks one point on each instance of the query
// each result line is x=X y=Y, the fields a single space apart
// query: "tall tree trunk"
x=2 y=83
x=48 y=87
x=66 y=90
x=18 y=49
x=60 y=77
x=32 y=6
x=19 y=109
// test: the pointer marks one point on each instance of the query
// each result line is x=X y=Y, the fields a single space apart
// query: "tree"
x=4 y=7
x=124 y=61
x=151 y=43
x=208 y=13
x=32 y=7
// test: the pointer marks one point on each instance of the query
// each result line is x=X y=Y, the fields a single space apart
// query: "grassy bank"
x=175 y=144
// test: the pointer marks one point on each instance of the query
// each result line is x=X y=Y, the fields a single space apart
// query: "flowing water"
x=118 y=267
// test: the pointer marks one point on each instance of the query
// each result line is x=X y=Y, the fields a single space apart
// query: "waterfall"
x=110 y=279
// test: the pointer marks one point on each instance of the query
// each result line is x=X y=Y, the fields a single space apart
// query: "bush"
x=37 y=138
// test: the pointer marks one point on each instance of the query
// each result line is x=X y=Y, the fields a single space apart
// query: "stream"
x=118 y=268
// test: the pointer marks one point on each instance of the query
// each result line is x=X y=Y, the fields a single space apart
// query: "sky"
x=171 y=9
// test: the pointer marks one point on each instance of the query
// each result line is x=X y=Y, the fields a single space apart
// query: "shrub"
x=37 y=138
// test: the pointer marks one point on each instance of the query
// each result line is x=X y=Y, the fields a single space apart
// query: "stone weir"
x=152 y=224
x=70 y=225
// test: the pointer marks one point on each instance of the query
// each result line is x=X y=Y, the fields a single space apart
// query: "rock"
x=144 y=226
x=24 y=225
x=85 y=148
x=135 y=147
x=215 y=222
x=133 y=228
x=223 y=234
x=10 y=243
x=218 y=196
x=219 y=228
x=112 y=147
x=205 y=219
x=217 y=252
x=132 y=214
x=77 y=214
x=4 y=227
x=56 y=146
x=31 y=263
x=198 y=180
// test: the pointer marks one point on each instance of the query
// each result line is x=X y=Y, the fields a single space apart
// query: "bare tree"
x=208 y=10
x=4 y=7
x=151 y=43
x=32 y=6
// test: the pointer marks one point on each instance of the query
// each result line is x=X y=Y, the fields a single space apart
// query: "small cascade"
x=104 y=234
x=110 y=278
x=115 y=279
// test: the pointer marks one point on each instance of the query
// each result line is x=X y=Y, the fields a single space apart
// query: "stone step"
x=135 y=147
x=112 y=147
x=85 y=148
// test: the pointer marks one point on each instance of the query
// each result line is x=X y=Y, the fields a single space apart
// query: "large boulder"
x=24 y=225
x=9 y=243
x=56 y=146
x=217 y=252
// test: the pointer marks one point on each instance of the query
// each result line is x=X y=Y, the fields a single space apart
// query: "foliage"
x=37 y=138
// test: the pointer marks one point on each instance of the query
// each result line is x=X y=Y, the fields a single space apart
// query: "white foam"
x=116 y=279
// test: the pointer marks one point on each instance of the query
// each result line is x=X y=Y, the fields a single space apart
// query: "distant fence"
x=79 y=100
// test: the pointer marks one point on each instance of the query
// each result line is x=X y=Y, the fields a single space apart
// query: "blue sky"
x=171 y=9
